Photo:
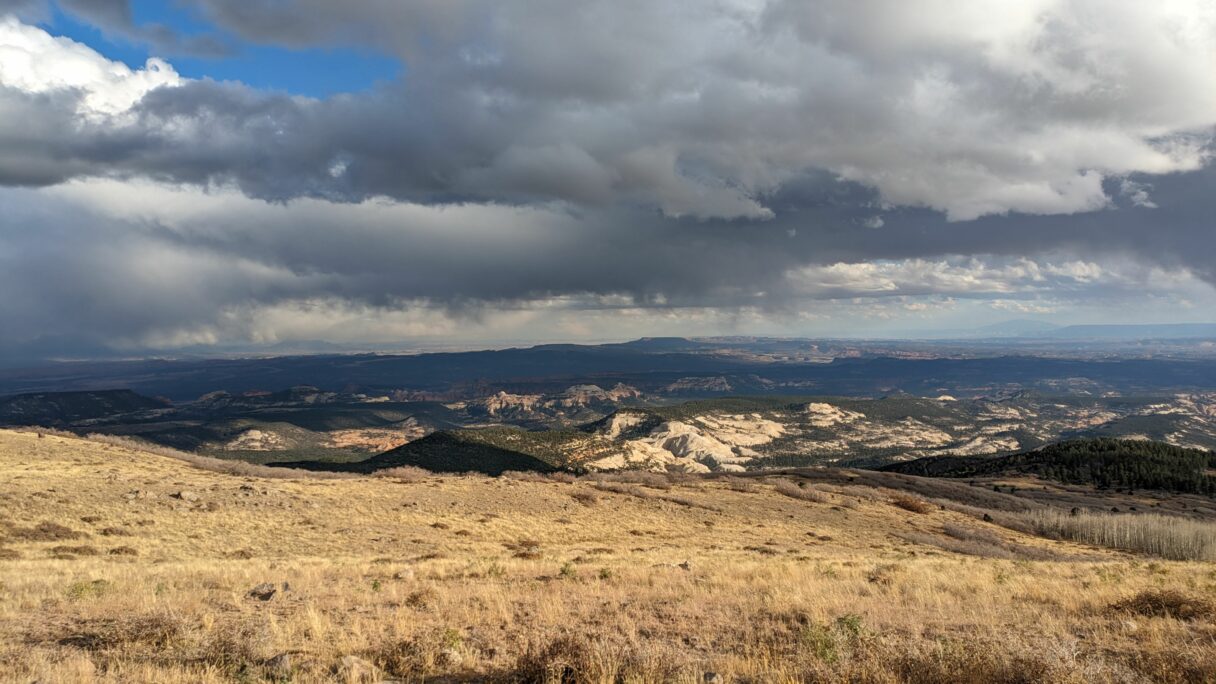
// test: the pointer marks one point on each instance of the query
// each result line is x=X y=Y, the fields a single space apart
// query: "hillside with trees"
x=1102 y=462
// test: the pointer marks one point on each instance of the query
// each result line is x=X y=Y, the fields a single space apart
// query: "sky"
x=245 y=174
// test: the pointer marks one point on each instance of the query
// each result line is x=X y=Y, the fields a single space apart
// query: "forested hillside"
x=1103 y=462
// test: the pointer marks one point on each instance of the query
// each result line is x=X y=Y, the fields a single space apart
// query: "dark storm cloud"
x=117 y=18
x=699 y=110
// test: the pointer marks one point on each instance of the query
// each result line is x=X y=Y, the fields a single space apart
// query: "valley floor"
x=119 y=565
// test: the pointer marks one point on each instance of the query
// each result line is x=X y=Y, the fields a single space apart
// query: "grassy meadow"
x=122 y=565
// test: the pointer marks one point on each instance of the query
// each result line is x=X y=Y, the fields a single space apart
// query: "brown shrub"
x=153 y=631
x=564 y=659
x=422 y=599
x=634 y=490
x=618 y=488
x=423 y=654
x=982 y=547
x=685 y=501
x=1167 y=603
x=738 y=484
x=528 y=549
x=123 y=551
x=45 y=531
x=586 y=498
x=115 y=532
x=801 y=491
x=974 y=663
x=404 y=473
x=973 y=534
x=234 y=646
x=584 y=659
x=639 y=477
x=884 y=575
x=911 y=504
x=762 y=550
x=524 y=476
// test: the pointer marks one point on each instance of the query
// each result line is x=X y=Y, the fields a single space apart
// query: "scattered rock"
x=282 y=665
x=713 y=678
x=404 y=574
x=263 y=592
x=354 y=668
x=186 y=495
x=450 y=657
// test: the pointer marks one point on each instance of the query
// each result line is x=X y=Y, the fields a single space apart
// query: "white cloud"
x=1137 y=193
x=699 y=109
x=33 y=61
x=975 y=277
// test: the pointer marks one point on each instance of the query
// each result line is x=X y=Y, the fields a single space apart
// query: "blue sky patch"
x=315 y=72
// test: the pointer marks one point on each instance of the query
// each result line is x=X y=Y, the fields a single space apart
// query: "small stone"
x=186 y=495
x=263 y=592
x=281 y=665
x=713 y=678
x=355 y=668
x=404 y=574
x=450 y=657
x=685 y=565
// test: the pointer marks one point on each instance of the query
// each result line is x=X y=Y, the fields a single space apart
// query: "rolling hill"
x=1105 y=463
x=122 y=564
x=62 y=408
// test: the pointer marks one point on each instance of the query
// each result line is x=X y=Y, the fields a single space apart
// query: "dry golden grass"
x=507 y=579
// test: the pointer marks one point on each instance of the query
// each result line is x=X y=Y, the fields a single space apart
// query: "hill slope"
x=119 y=564
x=440 y=452
x=60 y=408
x=1102 y=462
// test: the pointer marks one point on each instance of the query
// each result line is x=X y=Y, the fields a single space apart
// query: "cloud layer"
x=699 y=109
x=584 y=168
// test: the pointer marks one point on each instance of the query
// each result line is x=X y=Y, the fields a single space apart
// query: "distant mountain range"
x=1176 y=331
x=1068 y=362
x=1042 y=330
